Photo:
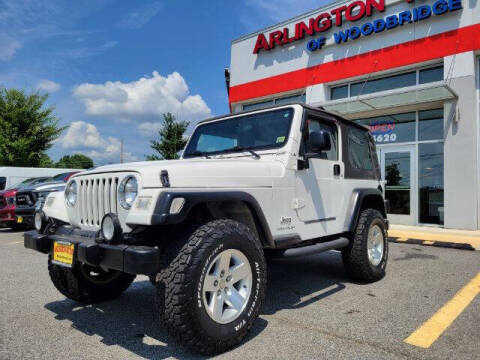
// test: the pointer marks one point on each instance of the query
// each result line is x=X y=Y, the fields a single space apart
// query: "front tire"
x=86 y=284
x=212 y=289
x=366 y=256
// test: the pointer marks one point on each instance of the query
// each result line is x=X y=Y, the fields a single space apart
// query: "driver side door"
x=318 y=186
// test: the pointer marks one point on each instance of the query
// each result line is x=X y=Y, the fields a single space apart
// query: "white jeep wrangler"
x=248 y=185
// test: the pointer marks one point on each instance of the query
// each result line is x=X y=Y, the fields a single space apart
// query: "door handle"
x=336 y=170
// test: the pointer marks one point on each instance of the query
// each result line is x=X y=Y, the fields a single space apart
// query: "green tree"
x=27 y=128
x=171 y=139
x=76 y=161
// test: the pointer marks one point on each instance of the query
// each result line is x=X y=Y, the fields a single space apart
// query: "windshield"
x=266 y=130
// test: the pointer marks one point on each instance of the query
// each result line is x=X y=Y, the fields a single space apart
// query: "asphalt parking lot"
x=312 y=310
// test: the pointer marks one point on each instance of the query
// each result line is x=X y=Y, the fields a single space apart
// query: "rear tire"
x=187 y=288
x=366 y=256
x=82 y=285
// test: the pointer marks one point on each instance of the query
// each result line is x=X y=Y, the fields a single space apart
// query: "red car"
x=7 y=202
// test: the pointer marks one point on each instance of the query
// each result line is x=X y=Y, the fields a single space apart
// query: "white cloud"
x=8 y=47
x=149 y=128
x=48 y=86
x=85 y=138
x=143 y=100
x=139 y=17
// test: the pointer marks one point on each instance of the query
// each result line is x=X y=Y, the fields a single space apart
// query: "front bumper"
x=7 y=215
x=27 y=213
x=127 y=258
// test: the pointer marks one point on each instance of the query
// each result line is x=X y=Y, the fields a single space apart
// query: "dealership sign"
x=353 y=12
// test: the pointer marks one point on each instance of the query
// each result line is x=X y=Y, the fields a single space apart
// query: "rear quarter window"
x=359 y=156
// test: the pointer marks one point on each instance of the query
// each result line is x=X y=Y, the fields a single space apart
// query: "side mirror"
x=318 y=141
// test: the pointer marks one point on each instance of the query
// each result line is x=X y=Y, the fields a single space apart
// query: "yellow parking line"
x=427 y=242
x=434 y=327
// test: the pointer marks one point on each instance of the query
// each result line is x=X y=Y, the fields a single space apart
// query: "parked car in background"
x=10 y=176
x=8 y=202
x=31 y=198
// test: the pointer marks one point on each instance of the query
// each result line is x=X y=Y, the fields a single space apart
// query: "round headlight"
x=71 y=193
x=127 y=192
x=40 y=221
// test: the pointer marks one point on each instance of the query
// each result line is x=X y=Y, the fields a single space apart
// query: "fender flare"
x=162 y=216
x=355 y=207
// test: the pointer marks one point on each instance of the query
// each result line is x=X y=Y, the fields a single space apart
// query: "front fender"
x=55 y=206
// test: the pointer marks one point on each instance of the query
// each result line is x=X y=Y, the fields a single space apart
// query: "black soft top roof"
x=319 y=110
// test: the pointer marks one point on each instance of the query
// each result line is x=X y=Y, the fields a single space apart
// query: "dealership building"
x=409 y=70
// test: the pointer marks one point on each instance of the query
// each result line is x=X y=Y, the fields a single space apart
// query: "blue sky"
x=113 y=67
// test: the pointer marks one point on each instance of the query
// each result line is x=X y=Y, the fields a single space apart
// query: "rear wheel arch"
x=360 y=200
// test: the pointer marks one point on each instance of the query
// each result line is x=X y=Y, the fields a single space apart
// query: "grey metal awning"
x=404 y=97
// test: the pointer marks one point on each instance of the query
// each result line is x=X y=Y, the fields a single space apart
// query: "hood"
x=238 y=172
x=8 y=192
x=46 y=186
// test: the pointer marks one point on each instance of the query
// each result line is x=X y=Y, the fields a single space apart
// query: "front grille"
x=27 y=199
x=97 y=196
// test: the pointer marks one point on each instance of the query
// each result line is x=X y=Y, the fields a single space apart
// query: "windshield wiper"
x=199 y=153
x=242 y=148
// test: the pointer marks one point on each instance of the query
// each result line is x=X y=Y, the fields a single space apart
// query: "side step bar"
x=316 y=248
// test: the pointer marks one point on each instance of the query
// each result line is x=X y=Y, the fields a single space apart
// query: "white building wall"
x=460 y=150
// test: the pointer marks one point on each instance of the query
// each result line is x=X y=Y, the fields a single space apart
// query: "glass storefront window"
x=430 y=126
x=430 y=183
x=382 y=84
x=339 y=92
x=391 y=129
x=430 y=75
x=280 y=101
x=257 y=106
x=396 y=81
x=397 y=182
x=290 y=100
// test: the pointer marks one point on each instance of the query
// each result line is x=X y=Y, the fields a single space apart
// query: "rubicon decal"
x=353 y=12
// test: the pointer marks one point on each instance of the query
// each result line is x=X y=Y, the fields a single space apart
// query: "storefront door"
x=398 y=171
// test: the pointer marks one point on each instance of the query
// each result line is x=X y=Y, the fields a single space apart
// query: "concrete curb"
x=445 y=244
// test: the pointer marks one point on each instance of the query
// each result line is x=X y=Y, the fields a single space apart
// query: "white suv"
x=249 y=185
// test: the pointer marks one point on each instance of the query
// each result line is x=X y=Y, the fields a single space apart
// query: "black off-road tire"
x=179 y=286
x=75 y=285
x=355 y=256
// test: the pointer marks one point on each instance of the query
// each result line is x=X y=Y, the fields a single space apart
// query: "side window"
x=359 y=156
x=331 y=130
x=3 y=183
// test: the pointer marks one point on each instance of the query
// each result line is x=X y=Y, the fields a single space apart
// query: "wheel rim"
x=227 y=286
x=375 y=245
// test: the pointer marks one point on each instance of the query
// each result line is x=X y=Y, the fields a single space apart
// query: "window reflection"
x=386 y=83
x=397 y=182
x=430 y=183
x=430 y=126
x=391 y=129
